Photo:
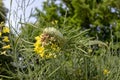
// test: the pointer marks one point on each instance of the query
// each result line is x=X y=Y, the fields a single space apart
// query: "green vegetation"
x=71 y=40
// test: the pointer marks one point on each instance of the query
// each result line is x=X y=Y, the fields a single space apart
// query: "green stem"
x=86 y=70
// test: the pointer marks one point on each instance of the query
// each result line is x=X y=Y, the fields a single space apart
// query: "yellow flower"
x=49 y=55
x=37 y=38
x=90 y=50
x=6 y=47
x=53 y=22
x=6 y=30
x=56 y=21
x=55 y=47
x=4 y=52
x=105 y=71
x=42 y=54
x=2 y=24
x=55 y=56
x=0 y=34
x=37 y=43
x=39 y=49
x=5 y=39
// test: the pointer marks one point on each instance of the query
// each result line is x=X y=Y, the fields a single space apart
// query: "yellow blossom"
x=39 y=49
x=49 y=55
x=53 y=22
x=0 y=34
x=6 y=30
x=2 y=24
x=55 y=56
x=37 y=43
x=55 y=47
x=42 y=54
x=5 y=39
x=37 y=38
x=56 y=21
x=90 y=50
x=4 y=52
x=105 y=71
x=6 y=47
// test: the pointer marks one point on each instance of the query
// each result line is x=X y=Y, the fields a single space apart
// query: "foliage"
x=100 y=16
x=73 y=61
x=3 y=12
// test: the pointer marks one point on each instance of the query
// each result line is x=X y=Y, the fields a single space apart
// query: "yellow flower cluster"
x=47 y=44
x=5 y=39
x=3 y=29
x=6 y=47
x=38 y=47
x=54 y=22
x=45 y=50
x=106 y=72
x=4 y=32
